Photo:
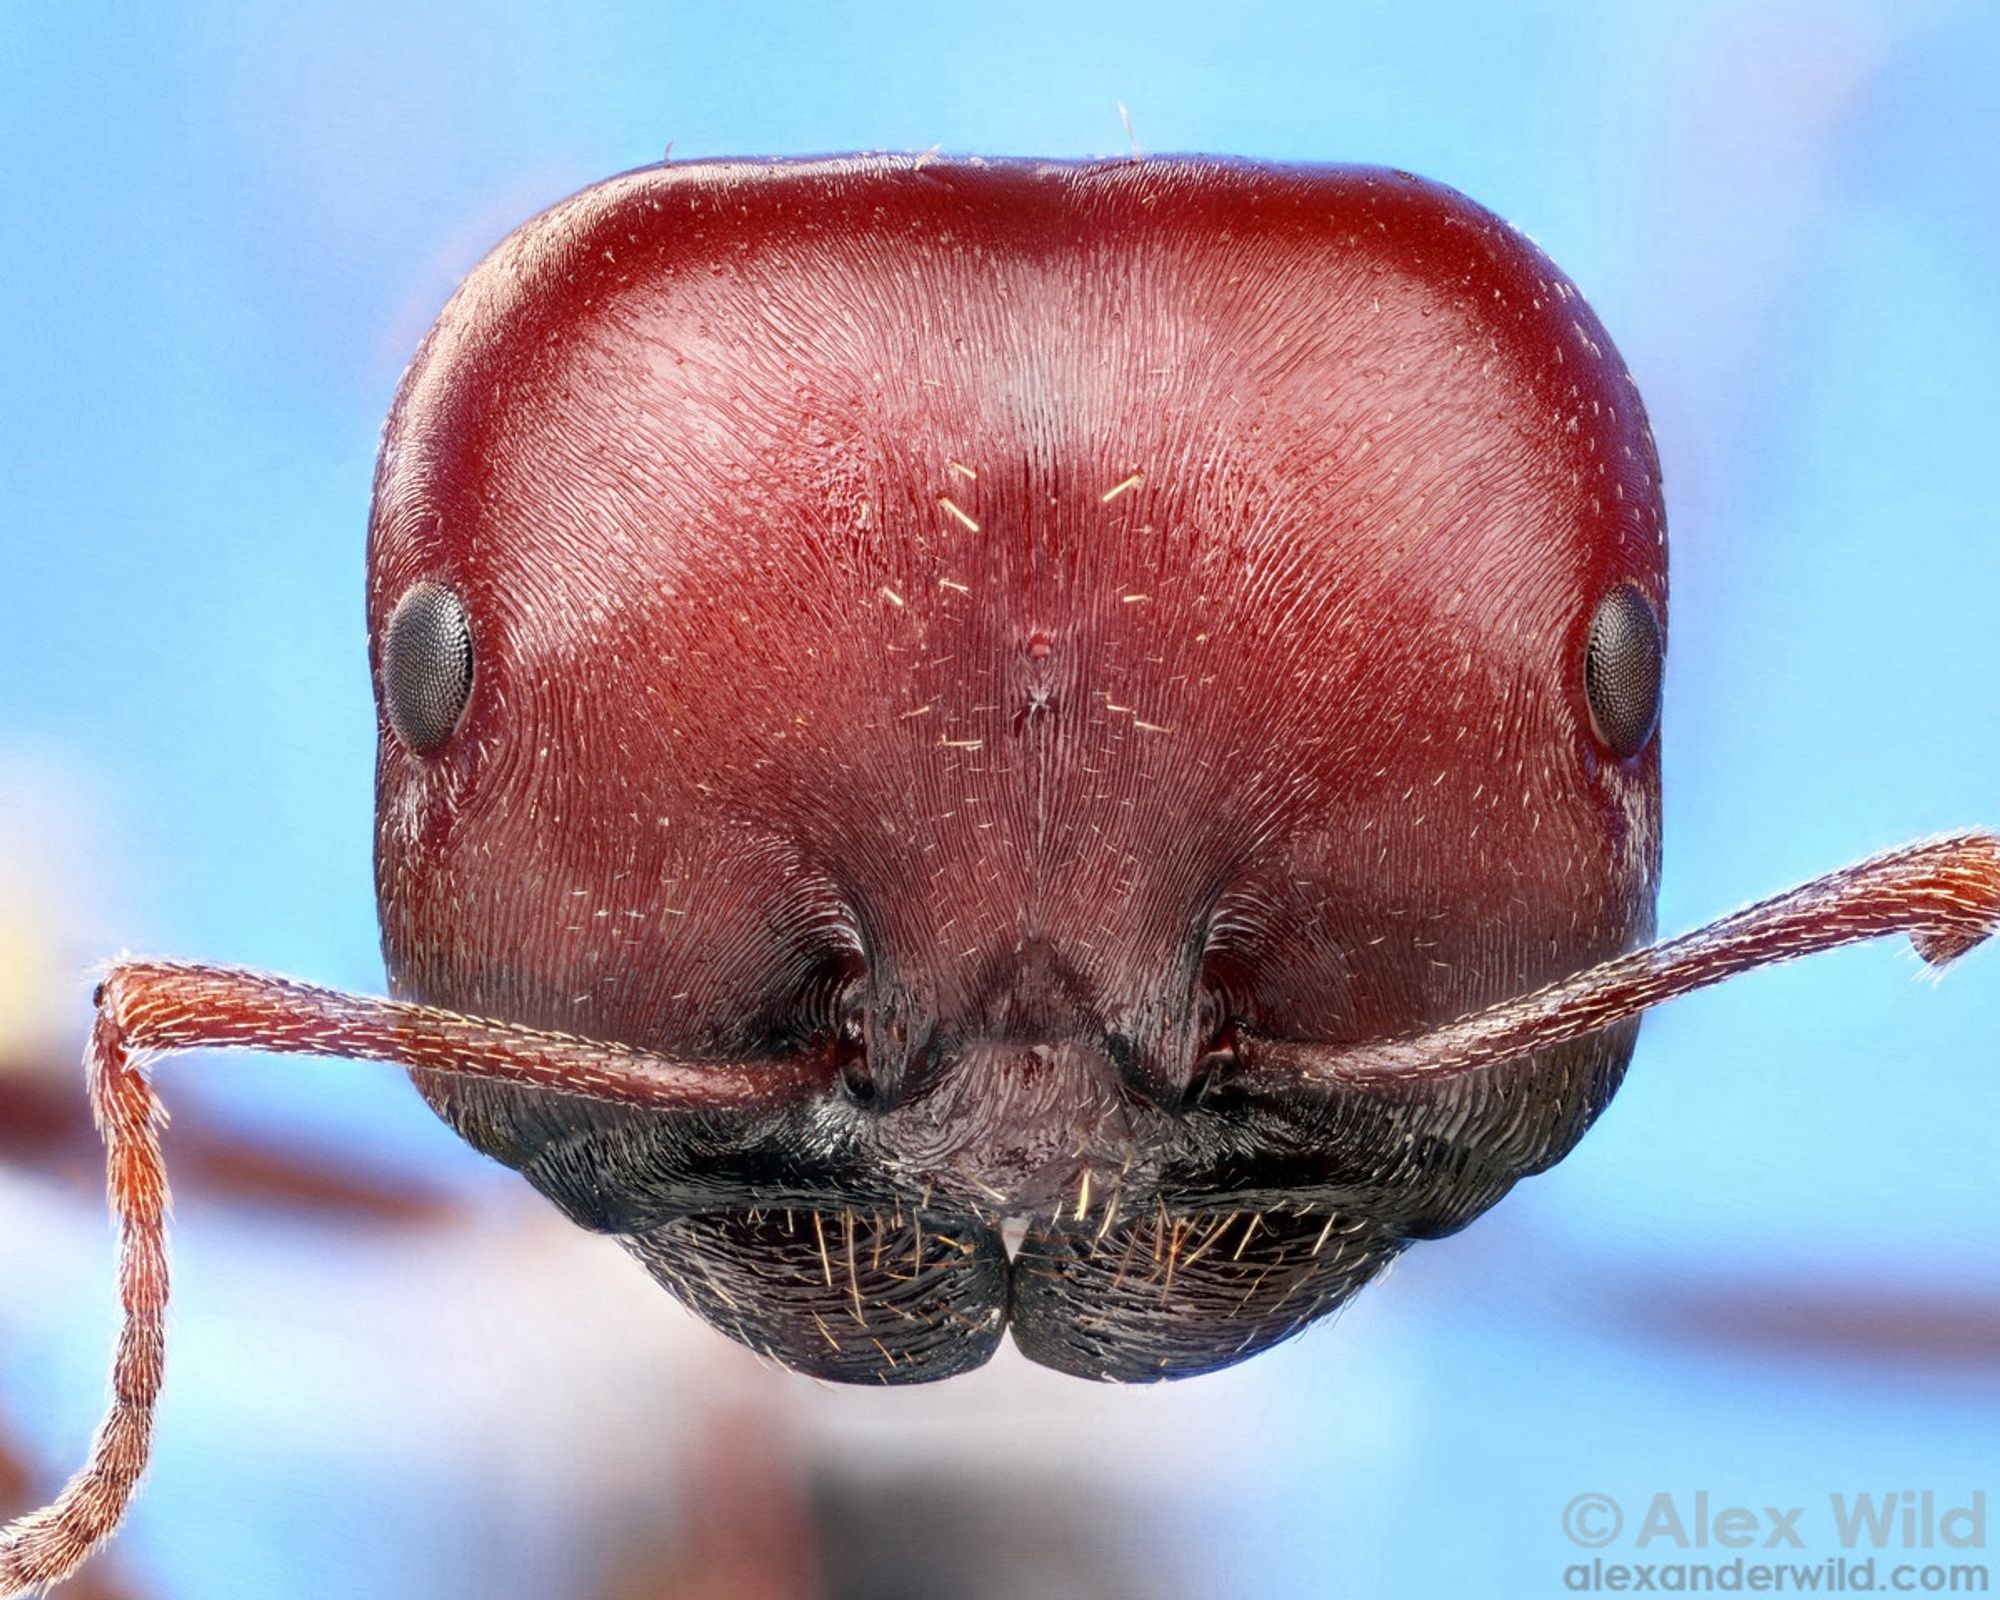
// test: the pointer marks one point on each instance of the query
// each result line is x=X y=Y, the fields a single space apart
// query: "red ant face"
x=1020 y=628
x=972 y=746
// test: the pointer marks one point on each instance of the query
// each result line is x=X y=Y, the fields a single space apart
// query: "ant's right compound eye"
x=426 y=666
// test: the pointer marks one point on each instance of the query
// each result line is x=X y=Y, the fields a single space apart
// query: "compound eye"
x=426 y=666
x=1622 y=670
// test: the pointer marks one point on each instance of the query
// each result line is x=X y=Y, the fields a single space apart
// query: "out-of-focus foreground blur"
x=1769 y=1273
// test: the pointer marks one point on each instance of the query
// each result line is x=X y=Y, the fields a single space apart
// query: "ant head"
x=1017 y=624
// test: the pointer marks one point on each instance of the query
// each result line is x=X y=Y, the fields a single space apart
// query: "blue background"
x=1770 y=1271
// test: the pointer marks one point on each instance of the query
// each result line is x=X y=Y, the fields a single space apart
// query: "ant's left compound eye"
x=1622 y=670
x=426 y=666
